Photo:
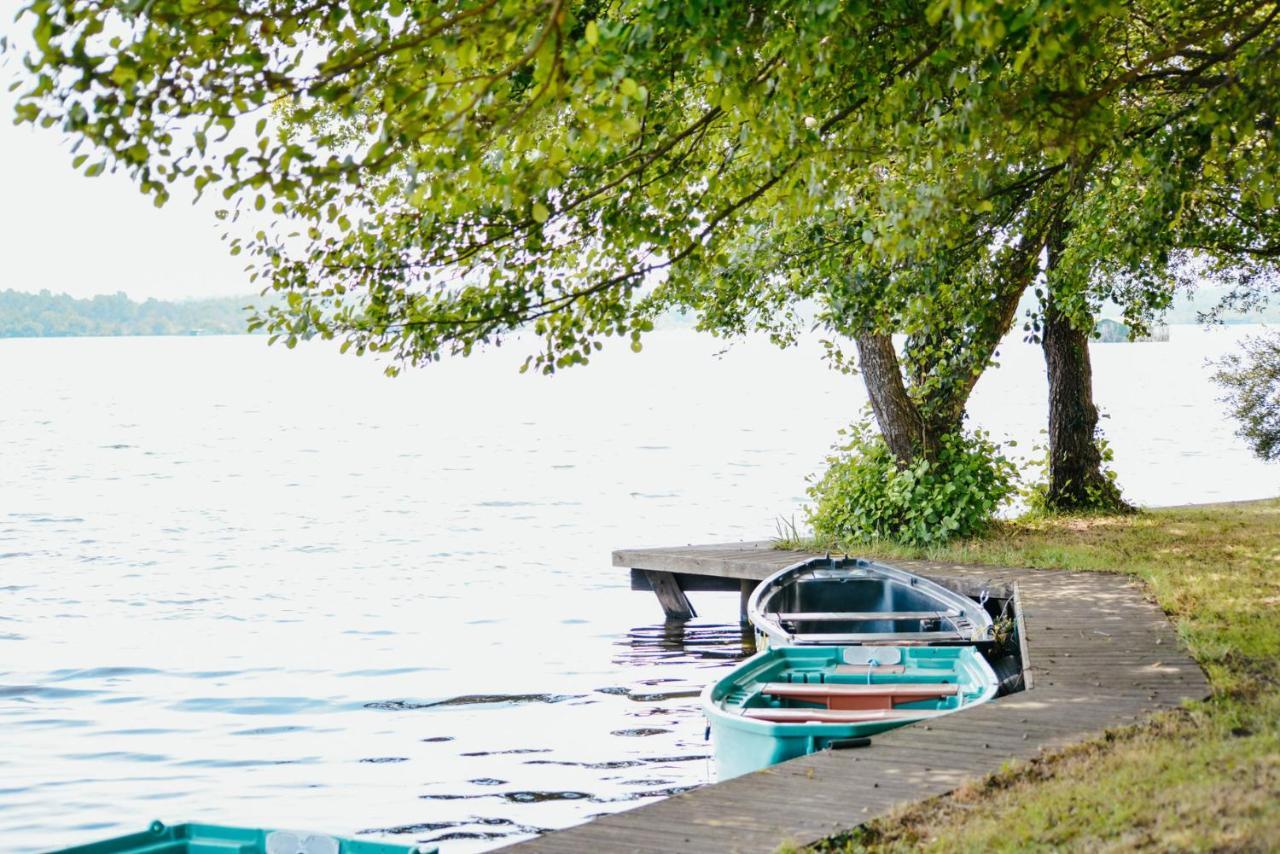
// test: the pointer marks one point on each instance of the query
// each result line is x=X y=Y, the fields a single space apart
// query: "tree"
x=457 y=170
x=1252 y=386
x=1076 y=480
x=955 y=296
x=441 y=174
x=1189 y=185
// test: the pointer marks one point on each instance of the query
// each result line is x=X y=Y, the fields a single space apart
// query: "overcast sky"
x=65 y=232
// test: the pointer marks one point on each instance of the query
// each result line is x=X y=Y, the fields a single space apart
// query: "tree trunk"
x=914 y=425
x=1076 y=480
x=896 y=413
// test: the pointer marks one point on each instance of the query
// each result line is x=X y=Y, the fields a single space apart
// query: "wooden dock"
x=1100 y=654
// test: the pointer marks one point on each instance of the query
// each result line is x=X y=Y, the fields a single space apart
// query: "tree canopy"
x=423 y=178
x=433 y=175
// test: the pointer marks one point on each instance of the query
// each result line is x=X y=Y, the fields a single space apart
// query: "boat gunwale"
x=765 y=622
x=714 y=708
x=862 y=616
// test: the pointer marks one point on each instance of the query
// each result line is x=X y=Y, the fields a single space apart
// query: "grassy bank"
x=1206 y=777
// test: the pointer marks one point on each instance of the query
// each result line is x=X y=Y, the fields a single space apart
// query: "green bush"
x=864 y=495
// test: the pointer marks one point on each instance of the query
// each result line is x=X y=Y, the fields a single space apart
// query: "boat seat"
x=837 y=716
x=848 y=697
x=864 y=669
x=862 y=616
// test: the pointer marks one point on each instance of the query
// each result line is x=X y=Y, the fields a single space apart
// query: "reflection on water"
x=470 y=700
x=682 y=641
x=482 y=767
x=536 y=771
x=672 y=647
x=272 y=588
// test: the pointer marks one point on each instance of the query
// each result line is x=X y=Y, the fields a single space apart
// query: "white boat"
x=847 y=601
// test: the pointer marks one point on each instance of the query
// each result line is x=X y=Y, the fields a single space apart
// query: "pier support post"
x=670 y=596
x=746 y=588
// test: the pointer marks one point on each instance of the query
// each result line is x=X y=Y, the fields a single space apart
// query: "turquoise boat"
x=790 y=701
x=160 y=838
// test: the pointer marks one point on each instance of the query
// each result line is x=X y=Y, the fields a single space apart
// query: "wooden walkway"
x=1101 y=654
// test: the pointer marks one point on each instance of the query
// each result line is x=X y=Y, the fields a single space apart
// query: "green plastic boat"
x=791 y=701
x=217 y=839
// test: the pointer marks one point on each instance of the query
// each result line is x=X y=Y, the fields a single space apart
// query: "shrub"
x=865 y=495
x=1252 y=385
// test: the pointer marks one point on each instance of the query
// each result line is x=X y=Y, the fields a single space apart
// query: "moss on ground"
x=1206 y=777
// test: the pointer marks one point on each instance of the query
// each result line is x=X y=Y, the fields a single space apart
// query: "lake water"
x=263 y=587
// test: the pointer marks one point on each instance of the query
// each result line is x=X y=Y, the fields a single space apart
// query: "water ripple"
x=253 y=705
x=471 y=700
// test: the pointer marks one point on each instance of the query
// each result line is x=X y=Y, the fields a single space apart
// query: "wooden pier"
x=1098 y=653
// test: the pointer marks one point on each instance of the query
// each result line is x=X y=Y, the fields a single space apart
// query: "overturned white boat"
x=845 y=601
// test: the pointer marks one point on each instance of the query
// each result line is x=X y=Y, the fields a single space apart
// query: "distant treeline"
x=47 y=315
x=1189 y=308
x=43 y=315
x=1107 y=331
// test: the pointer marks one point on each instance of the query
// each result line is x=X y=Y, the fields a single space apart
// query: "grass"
x=1206 y=777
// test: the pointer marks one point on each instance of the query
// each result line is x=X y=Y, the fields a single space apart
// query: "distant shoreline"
x=49 y=315
x=108 y=336
x=660 y=326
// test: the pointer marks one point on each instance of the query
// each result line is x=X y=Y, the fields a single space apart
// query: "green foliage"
x=31 y=315
x=425 y=177
x=866 y=495
x=1252 y=384
x=1100 y=497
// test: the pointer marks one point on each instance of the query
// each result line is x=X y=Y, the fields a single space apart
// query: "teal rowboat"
x=217 y=839
x=789 y=701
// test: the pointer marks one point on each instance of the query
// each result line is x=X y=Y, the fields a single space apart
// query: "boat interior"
x=857 y=684
x=825 y=607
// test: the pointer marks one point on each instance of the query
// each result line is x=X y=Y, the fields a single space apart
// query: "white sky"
x=84 y=236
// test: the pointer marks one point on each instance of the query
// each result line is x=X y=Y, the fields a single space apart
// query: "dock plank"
x=1101 y=654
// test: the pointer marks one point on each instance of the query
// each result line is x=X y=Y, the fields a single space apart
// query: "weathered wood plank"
x=690 y=583
x=674 y=603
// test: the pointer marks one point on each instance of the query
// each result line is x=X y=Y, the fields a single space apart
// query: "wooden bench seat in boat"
x=849 y=697
x=863 y=616
x=837 y=716
x=864 y=669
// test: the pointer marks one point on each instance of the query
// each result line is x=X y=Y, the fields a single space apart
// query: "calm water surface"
x=262 y=587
